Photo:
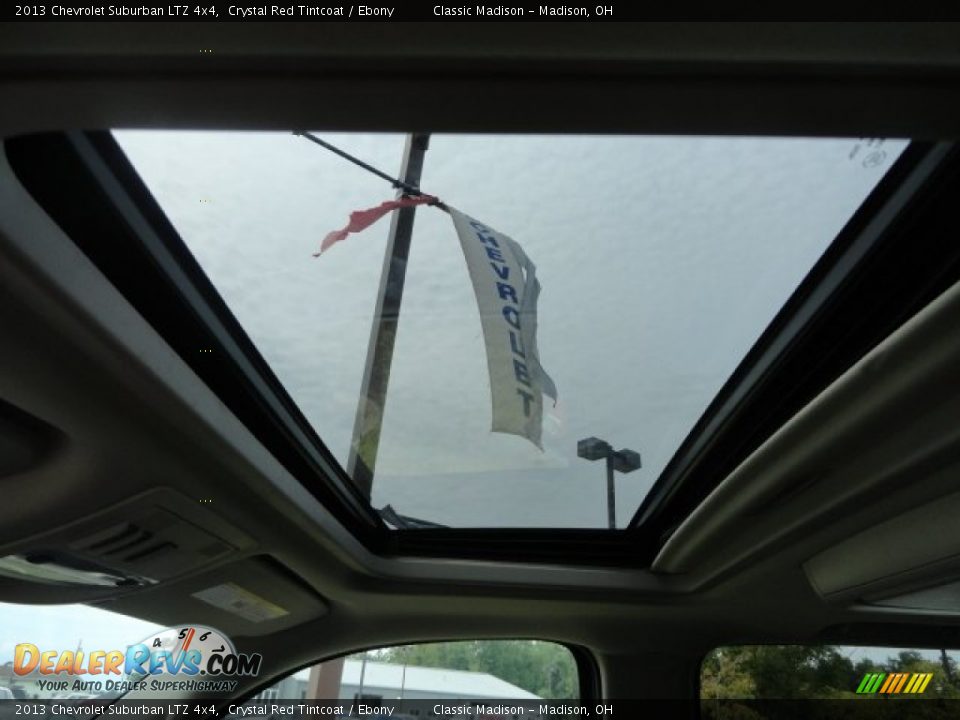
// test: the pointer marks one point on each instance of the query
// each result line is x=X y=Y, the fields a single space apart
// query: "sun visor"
x=255 y=596
x=917 y=548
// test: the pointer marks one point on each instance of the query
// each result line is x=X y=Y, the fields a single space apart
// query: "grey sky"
x=661 y=259
x=63 y=627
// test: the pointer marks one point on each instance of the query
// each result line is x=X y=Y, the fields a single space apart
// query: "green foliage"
x=811 y=672
x=543 y=668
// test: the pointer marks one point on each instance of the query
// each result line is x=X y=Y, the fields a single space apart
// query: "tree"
x=724 y=674
x=776 y=671
x=811 y=672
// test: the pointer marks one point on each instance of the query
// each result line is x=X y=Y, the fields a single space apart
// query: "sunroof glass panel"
x=661 y=261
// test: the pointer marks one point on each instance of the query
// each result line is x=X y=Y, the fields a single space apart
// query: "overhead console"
x=151 y=538
x=163 y=557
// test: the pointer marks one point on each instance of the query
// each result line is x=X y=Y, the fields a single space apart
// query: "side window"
x=495 y=670
x=63 y=633
x=755 y=674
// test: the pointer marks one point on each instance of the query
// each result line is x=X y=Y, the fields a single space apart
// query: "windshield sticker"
x=235 y=599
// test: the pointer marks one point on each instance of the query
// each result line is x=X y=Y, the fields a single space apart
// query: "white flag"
x=505 y=283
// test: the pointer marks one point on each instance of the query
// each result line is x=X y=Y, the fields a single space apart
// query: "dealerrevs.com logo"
x=186 y=658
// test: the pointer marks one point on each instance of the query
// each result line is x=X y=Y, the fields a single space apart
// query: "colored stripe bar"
x=875 y=685
x=915 y=680
x=891 y=680
x=903 y=679
x=894 y=683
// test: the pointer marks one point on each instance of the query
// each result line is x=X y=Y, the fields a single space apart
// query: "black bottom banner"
x=437 y=709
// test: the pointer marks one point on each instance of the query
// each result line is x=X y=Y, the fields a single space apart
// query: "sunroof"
x=661 y=260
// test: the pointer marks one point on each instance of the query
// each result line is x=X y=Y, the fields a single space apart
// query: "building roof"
x=462 y=683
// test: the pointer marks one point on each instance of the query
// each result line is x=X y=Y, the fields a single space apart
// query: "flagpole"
x=362 y=459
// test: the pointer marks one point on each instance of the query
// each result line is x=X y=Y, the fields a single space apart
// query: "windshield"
x=659 y=261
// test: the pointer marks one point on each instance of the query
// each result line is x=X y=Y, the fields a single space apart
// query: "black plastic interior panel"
x=25 y=441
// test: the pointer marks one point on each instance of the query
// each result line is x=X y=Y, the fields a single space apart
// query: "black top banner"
x=431 y=10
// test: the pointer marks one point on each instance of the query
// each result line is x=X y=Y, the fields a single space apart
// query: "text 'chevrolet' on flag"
x=506 y=286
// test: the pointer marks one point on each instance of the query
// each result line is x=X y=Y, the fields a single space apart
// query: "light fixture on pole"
x=624 y=461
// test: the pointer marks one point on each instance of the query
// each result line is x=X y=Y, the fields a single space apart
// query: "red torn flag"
x=362 y=219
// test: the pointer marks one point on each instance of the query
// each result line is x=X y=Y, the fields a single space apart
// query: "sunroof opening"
x=660 y=261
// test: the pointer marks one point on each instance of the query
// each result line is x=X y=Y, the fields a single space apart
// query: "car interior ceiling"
x=104 y=425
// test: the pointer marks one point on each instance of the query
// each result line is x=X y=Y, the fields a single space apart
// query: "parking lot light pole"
x=624 y=461
x=362 y=460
